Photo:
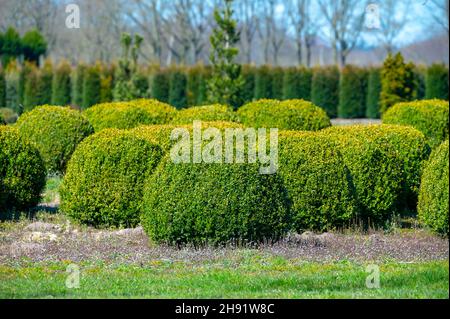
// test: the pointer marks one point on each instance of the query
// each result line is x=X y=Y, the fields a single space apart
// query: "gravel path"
x=338 y=122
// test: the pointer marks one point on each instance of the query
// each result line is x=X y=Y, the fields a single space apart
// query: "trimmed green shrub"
x=325 y=89
x=288 y=115
x=317 y=180
x=125 y=115
x=248 y=89
x=398 y=82
x=434 y=195
x=105 y=177
x=352 y=92
x=297 y=83
x=263 y=83
x=22 y=172
x=428 y=116
x=55 y=131
x=277 y=83
x=190 y=208
x=62 y=86
x=91 y=86
x=2 y=88
x=160 y=86
x=160 y=134
x=436 y=82
x=177 y=90
x=411 y=148
x=375 y=168
x=373 y=94
x=77 y=84
x=207 y=113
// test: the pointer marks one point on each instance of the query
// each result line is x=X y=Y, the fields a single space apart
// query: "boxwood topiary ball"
x=408 y=144
x=105 y=177
x=376 y=171
x=126 y=115
x=431 y=117
x=214 y=204
x=205 y=113
x=317 y=180
x=434 y=194
x=286 y=115
x=56 y=131
x=22 y=171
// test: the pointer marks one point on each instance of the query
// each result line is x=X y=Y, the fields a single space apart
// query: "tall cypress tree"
x=226 y=81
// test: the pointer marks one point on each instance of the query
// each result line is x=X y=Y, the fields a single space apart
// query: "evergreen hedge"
x=62 y=85
x=352 y=92
x=373 y=94
x=325 y=89
x=436 y=83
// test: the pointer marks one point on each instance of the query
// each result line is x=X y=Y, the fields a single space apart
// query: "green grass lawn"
x=254 y=276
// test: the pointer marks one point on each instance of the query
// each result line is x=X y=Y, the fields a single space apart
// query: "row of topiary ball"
x=326 y=179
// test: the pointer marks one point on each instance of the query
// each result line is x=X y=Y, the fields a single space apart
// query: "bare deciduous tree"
x=249 y=20
x=345 y=20
x=440 y=12
x=393 y=19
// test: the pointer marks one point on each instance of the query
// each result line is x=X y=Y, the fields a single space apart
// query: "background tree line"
x=278 y=32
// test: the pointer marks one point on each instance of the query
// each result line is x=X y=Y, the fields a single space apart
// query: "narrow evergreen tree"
x=373 y=94
x=277 y=83
x=436 y=83
x=45 y=76
x=77 y=87
x=61 y=88
x=398 y=82
x=297 y=83
x=33 y=46
x=177 y=90
x=325 y=89
x=226 y=82
x=31 y=95
x=352 y=92
x=129 y=83
x=263 y=83
x=91 y=86
x=248 y=89
x=160 y=86
x=2 y=88
x=12 y=76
